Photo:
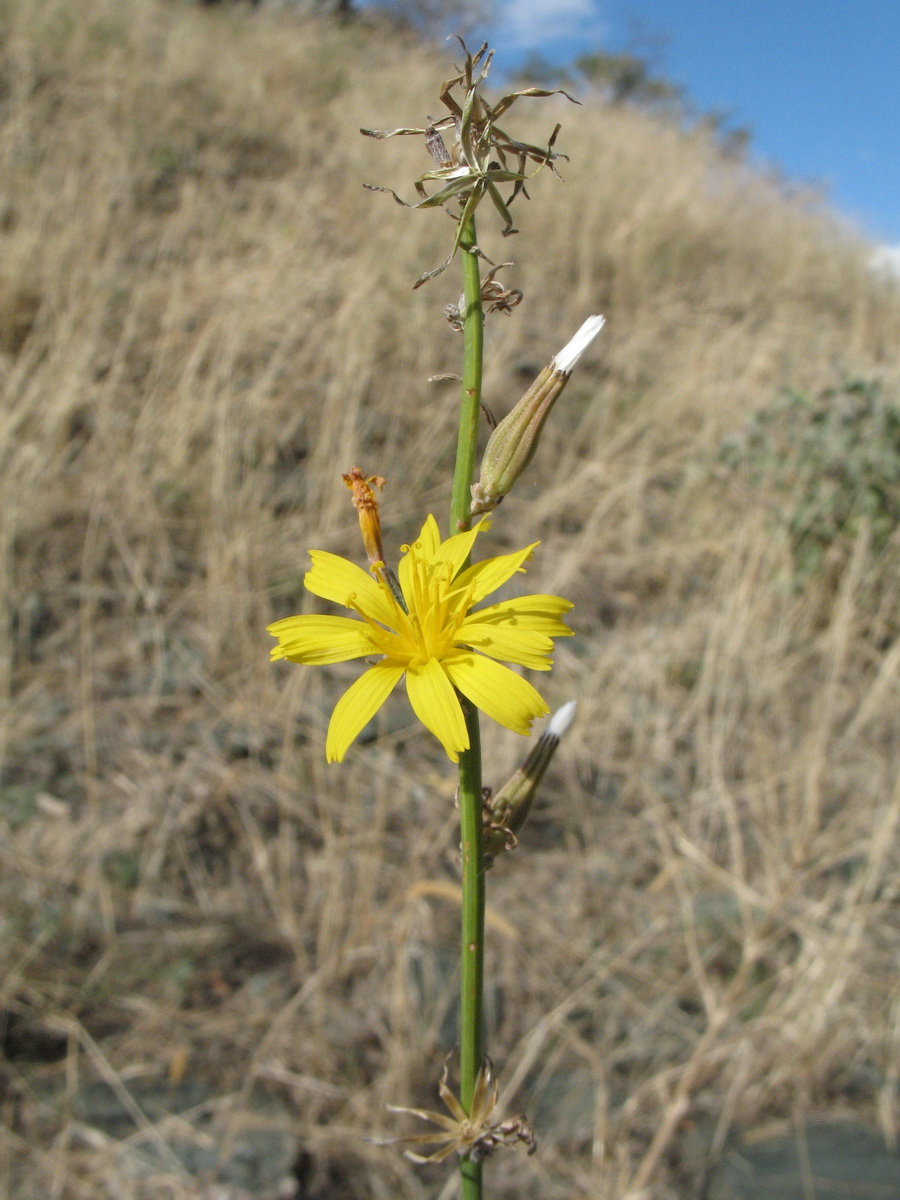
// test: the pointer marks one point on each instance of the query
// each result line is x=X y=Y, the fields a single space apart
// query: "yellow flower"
x=438 y=643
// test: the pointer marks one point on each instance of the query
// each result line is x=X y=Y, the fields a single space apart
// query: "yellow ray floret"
x=439 y=644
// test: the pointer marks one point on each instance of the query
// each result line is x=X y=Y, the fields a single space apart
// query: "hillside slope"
x=204 y=320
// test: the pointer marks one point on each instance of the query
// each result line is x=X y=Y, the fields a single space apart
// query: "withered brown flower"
x=469 y=1134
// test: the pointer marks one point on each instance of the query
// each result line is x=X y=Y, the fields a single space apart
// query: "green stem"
x=470 y=407
x=471 y=1019
x=471 y=1014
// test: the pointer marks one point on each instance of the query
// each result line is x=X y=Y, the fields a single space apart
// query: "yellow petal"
x=456 y=549
x=491 y=573
x=540 y=614
x=437 y=706
x=504 y=696
x=358 y=706
x=317 y=640
x=421 y=550
x=429 y=537
x=337 y=579
x=523 y=646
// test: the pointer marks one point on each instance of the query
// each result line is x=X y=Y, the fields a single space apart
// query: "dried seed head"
x=436 y=148
x=482 y=156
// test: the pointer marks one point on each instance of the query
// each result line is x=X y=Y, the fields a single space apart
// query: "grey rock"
x=828 y=1160
x=255 y=1161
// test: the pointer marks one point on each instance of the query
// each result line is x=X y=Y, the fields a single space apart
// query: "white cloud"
x=530 y=24
x=886 y=260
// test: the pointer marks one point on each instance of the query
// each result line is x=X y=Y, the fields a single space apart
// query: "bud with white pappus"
x=512 y=445
x=507 y=811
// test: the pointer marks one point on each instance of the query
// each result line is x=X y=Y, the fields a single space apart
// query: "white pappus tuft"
x=563 y=717
x=569 y=355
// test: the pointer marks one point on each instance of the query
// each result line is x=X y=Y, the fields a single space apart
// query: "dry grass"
x=204 y=318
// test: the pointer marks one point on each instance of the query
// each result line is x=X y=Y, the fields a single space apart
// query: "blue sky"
x=816 y=81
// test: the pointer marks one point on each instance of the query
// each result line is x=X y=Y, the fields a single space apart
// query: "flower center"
x=436 y=610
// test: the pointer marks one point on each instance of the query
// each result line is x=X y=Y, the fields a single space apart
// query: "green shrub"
x=829 y=463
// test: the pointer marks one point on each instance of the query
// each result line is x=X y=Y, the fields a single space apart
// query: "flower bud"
x=512 y=445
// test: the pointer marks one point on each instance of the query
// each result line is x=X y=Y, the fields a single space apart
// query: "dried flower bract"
x=494 y=297
x=472 y=1134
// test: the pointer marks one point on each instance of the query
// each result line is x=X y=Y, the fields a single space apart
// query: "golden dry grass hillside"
x=204 y=320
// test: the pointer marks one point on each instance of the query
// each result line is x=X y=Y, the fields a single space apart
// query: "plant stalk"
x=470 y=407
x=471 y=1020
x=471 y=1012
